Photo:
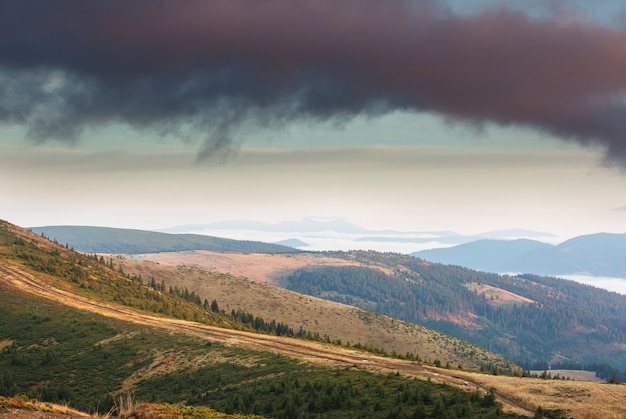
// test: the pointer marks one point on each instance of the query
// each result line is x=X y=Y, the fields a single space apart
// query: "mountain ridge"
x=132 y=241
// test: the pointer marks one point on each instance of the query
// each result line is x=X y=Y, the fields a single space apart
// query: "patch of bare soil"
x=498 y=296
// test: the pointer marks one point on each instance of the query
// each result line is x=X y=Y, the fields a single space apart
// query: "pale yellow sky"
x=560 y=190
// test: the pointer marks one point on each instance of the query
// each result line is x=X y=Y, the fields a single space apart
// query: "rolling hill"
x=128 y=241
x=599 y=254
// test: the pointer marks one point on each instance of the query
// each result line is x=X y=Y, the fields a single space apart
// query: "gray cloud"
x=207 y=67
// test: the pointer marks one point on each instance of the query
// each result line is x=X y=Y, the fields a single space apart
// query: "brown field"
x=577 y=399
x=338 y=321
x=255 y=266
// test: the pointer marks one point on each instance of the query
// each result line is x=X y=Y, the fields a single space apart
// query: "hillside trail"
x=309 y=351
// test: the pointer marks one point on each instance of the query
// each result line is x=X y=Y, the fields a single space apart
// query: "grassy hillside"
x=127 y=241
x=58 y=353
x=337 y=321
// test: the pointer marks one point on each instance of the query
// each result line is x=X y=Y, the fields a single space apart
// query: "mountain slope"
x=63 y=324
x=563 y=322
x=529 y=319
x=128 y=241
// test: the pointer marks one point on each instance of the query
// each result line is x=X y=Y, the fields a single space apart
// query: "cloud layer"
x=197 y=67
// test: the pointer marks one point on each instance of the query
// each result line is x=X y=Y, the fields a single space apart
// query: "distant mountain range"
x=311 y=225
x=293 y=243
x=601 y=254
x=338 y=234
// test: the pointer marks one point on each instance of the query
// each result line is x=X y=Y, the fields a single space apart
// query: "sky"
x=404 y=115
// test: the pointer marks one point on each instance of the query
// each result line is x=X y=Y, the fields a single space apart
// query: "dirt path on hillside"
x=309 y=351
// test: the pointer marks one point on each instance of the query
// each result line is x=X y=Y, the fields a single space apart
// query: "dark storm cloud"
x=184 y=67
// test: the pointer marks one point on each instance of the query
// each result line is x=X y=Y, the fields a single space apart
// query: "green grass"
x=64 y=355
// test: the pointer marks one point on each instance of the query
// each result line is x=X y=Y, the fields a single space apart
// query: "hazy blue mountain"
x=601 y=254
x=296 y=243
x=128 y=241
x=338 y=226
x=483 y=255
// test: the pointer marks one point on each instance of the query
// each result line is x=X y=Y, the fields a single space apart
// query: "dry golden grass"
x=21 y=406
x=578 y=399
x=338 y=321
x=255 y=266
x=127 y=408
